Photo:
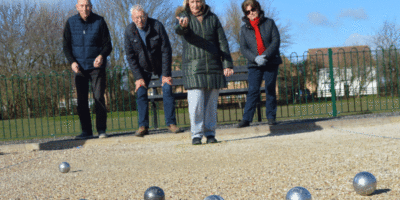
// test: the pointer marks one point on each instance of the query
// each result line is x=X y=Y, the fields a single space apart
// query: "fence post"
x=154 y=107
x=333 y=92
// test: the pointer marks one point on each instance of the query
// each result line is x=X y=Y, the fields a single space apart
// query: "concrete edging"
x=296 y=126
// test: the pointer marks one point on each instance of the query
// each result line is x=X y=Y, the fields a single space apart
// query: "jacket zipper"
x=84 y=40
x=202 y=30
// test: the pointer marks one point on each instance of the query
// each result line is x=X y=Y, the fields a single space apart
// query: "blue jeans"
x=256 y=75
x=143 y=103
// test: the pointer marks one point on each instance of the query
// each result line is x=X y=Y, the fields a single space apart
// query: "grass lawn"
x=126 y=121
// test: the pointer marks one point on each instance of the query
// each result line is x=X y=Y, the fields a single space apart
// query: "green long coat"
x=205 y=51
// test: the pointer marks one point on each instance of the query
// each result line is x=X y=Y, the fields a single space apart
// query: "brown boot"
x=142 y=131
x=174 y=129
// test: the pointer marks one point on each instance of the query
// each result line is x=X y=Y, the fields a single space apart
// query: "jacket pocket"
x=135 y=45
x=154 y=42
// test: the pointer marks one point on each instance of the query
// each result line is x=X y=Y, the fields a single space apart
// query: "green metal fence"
x=320 y=83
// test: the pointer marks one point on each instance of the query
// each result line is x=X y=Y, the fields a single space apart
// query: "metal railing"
x=323 y=83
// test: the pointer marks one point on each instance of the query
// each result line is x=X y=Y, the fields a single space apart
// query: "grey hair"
x=186 y=2
x=137 y=7
x=90 y=2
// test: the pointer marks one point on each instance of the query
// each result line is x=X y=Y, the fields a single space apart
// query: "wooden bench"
x=241 y=74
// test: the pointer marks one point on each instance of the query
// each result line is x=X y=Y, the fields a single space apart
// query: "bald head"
x=84 y=7
x=90 y=2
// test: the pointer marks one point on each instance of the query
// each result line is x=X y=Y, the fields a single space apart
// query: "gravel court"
x=245 y=165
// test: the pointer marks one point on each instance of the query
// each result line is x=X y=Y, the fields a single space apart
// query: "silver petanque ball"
x=298 y=193
x=364 y=183
x=64 y=167
x=214 y=197
x=154 y=193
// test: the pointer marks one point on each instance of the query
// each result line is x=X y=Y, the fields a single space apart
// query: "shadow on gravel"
x=286 y=129
x=293 y=128
x=151 y=132
x=282 y=128
x=61 y=144
x=380 y=191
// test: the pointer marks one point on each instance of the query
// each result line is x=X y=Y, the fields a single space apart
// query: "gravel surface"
x=243 y=165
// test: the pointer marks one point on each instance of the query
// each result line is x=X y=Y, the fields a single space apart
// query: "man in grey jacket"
x=148 y=51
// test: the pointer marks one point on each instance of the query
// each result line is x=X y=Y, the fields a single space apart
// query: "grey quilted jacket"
x=205 y=51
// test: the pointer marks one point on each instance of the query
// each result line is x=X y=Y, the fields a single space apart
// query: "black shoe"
x=243 y=123
x=211 y=139
x=196 y=141
x=83 y=136
x=271 y=122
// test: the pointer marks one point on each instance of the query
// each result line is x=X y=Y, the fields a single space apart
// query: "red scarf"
x=260 y=45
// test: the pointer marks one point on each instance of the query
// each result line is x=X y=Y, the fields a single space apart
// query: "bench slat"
x=226 y=92
x=179 y=74
x=237 y=77
x=157 y=83
x=174 y=74
x=176 y=82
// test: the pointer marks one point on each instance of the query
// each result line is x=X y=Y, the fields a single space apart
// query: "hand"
x=75 y=67
x=167 y=80
x=228 y=72
x=98 y=61
x=183 y=21
x=139 y=83
x=260 y=60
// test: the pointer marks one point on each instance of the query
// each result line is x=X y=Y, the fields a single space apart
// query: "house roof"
x=342 y=56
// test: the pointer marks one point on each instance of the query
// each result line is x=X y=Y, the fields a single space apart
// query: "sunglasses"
x=248 y=11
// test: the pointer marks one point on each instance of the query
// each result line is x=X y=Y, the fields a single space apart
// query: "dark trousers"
x=98 y=79
x=256 y=75
x=143 y=102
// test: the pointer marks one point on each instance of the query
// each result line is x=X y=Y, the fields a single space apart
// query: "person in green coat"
x=206 y=61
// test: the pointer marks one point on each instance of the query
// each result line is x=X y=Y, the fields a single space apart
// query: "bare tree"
x=233 y=21
x=12 y=20
x=387 y=40
x=32 y=39
x=388 y=36
x=271 y=12
x=31 y=43
x=176 y=40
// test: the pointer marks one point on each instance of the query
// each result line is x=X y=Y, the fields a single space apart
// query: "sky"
x=329 y=23
x=322 y=23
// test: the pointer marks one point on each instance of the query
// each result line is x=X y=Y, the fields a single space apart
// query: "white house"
x=346 y=83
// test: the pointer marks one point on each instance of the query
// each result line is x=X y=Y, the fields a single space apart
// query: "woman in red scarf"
x=259 y=43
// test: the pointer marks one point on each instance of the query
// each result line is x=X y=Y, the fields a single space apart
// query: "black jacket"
x=270 y=36
x=156 y=57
